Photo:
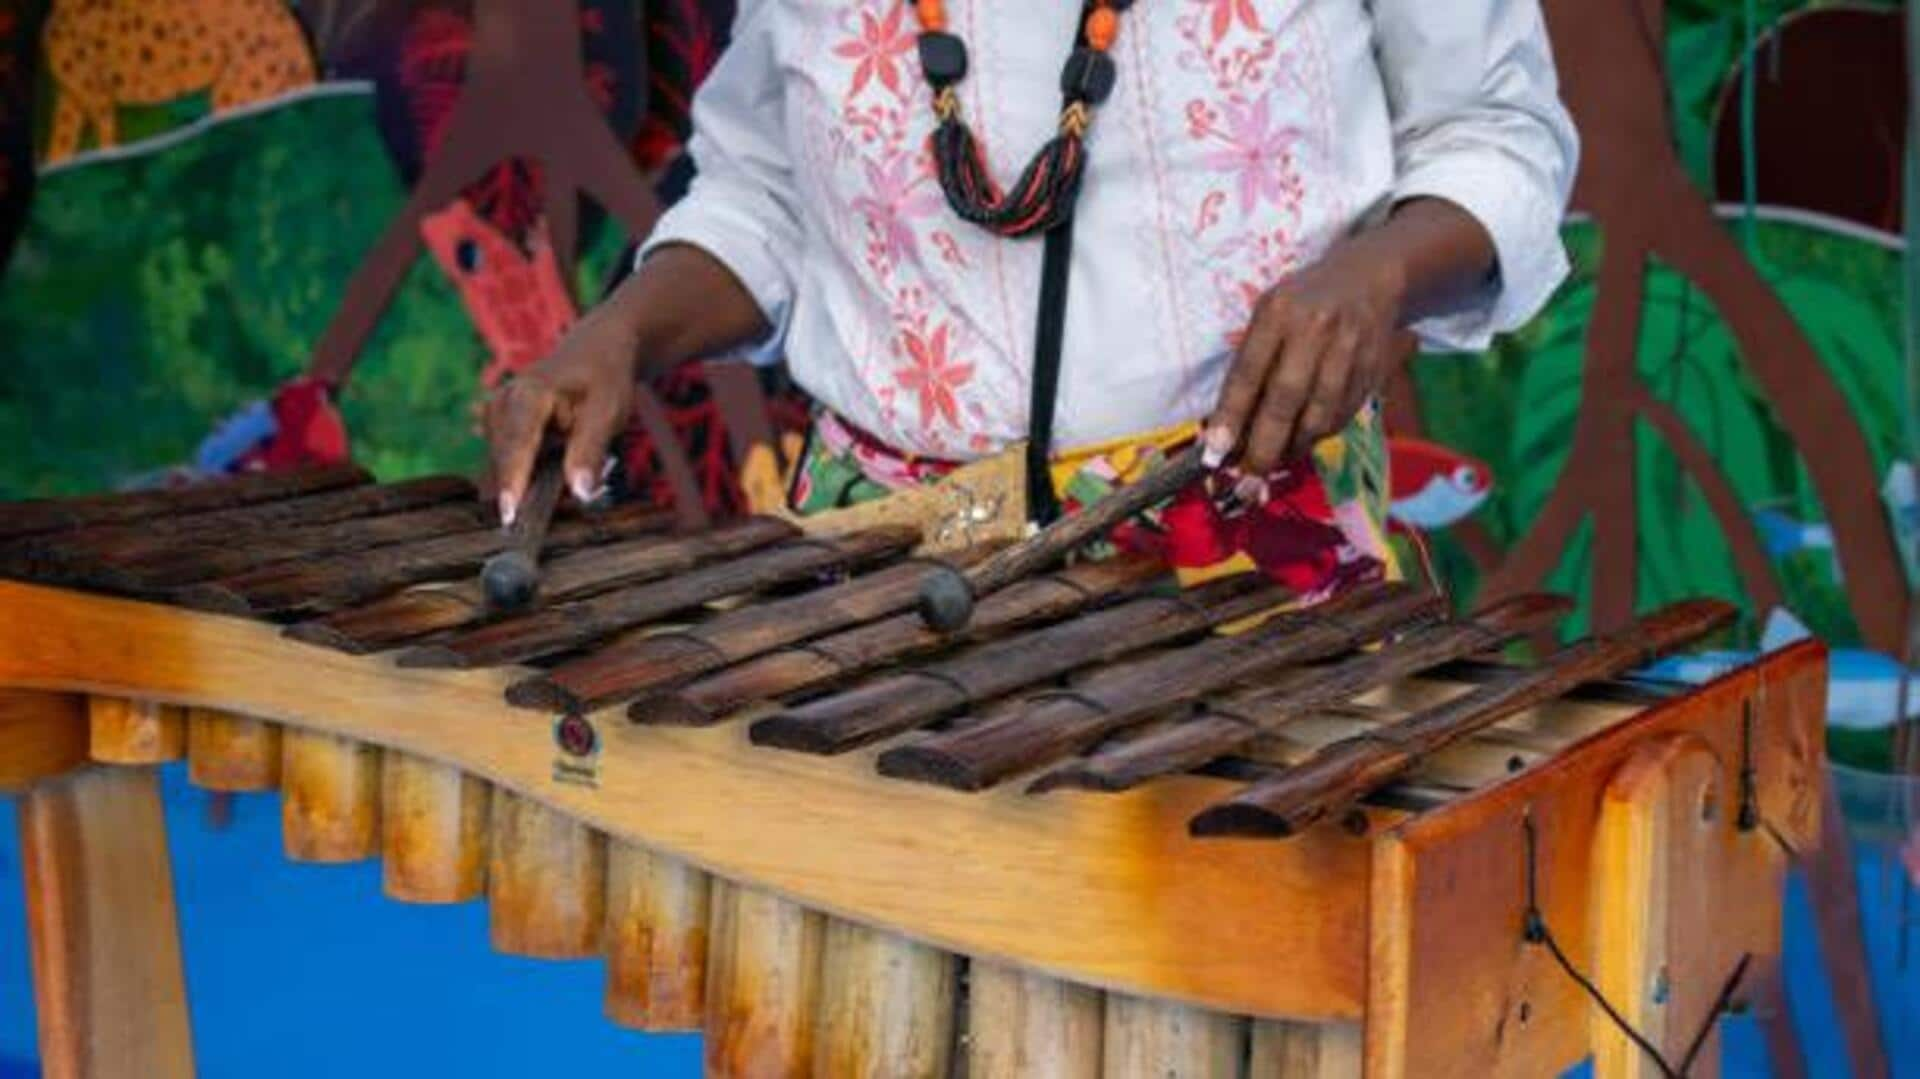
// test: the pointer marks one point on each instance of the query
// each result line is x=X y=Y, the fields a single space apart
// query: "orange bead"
x=931 y=13
x=1102 y=26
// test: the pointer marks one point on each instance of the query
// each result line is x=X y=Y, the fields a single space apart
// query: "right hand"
x=583 y=392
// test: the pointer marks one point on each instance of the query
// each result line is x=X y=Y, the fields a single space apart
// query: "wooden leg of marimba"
x=1305 y=1051
x=656 y=939
x=122 y=731
x=546 y=881
x=1022 y=1025
x=763 y=963
x=232 y=753
x=330 y=803
x=885 y=1008
x=100 y=916
x=1172 y=1041
x=433 y=831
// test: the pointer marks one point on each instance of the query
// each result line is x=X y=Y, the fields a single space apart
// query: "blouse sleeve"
x=740 y=206
x=1477 y=121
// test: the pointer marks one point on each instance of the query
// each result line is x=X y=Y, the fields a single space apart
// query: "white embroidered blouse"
x=1243 y=137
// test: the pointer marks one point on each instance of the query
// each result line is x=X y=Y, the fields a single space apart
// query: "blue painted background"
x=310 y=968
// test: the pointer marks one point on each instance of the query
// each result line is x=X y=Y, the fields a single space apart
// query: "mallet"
x=947 y=595
x=511 y=578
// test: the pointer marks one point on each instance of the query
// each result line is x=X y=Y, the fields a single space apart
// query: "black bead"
x=943 y=57
x=1088 y=76
x=1119 y=6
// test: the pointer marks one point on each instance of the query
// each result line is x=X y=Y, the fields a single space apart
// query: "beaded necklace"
x=1043 y=196
x=1040 y=202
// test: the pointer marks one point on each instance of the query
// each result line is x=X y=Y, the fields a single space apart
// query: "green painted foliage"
x=1516 y=409
x=152 y=295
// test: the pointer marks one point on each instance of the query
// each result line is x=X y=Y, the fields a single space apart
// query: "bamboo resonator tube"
x=546 y=881
x=330 y=797
x=510 y=579
x=1339 y=774
x=122 y=731
x=947 y=599
x=434 y=824
x=231 y=753
x=658 y=912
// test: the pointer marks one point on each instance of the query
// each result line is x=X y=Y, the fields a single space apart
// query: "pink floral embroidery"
x=1224 y=12
x=1258 y=152
x=879 y=46
x=932 y=375
x=893 y=199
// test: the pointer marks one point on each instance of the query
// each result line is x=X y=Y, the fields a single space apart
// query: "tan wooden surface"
x=763 y=981
x=330 y=804
x=657 y=917
x=42 y=734
x=107 y=975
x=1282 y=1050
x=1456 y=992
x=433 y=831
x=128 y=731
x=961 y=872
x=546 y=882
x=886 y=1006
x=1022 y=1025
x=1170 y=1041
x=226 y=752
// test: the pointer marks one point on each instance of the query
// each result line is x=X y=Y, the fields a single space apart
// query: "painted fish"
x=1863 y=688
x=1433 y=486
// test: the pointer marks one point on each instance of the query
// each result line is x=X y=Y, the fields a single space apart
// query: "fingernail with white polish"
x=508 y=506
x=582 y=485
x=1251 y=490
x=1219 y=443
x=606 y=468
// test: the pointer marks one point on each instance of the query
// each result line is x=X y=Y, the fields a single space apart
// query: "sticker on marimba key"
x=579 y=745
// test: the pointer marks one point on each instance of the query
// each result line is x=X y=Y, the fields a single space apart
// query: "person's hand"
x=582 y=392
x=1319 y=344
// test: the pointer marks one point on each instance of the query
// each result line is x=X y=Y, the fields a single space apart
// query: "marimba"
x=1112 y=828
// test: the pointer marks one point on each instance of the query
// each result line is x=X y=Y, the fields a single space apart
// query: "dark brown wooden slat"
x=150 y=538
x=1339 y=774
x=1235 y=720
x=1058 y=725
x=53 y=514
x=825 y=660
x=334 y=582
x=628 y=666
x=580 y=623
x=406 y=616
x=249 y=553
x=891 y=704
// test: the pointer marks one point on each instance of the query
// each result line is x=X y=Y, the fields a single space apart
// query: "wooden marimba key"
x=740 y=766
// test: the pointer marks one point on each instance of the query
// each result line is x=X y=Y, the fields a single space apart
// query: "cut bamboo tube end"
x=763 y=963
x=330 y=801
x=1022 y=1025
x=546 y=882
x=433 y=831
x=232 y=753
x=886 y=1005
x=122 y=731
x=657 y=918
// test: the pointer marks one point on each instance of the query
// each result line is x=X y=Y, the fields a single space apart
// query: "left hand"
x=1320 y=343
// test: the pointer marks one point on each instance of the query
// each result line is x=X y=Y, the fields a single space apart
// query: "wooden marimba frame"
x=815 y=917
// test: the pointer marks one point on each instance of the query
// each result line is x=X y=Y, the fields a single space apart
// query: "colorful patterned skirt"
x=1320 y=527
